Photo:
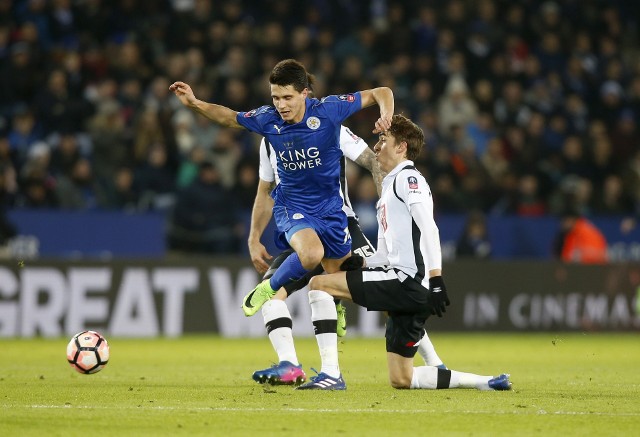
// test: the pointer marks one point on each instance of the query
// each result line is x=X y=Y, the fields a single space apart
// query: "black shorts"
x=404 y=332
x=380 y=289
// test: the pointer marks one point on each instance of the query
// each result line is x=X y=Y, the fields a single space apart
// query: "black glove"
x=438 y=299
x=354 y=262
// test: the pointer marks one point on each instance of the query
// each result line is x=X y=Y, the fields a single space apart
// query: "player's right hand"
x=259 y=257
x=383 y=123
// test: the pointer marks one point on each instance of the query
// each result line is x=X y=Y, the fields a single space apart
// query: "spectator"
x=494 y=162
x=65 y=155
x=7 y=228
x=579 y=240
x=483 y=94
x=189 y=166
x=474 y=241
x=37 y=185
x=611 y=199
x=456 y=107
x=611 y=103
x=146 y=132
x=625 y=137
x=120 y=192
x=183 y=121
x=108 y=136
x=155 y=181
x=481 y=132
x=203 y=219
x=78 y=189
x=244 y=191
x=226 y=154
x=24 y=133
x=510 y=107
x=20 y=76
x=58 y=109
x=572 y=192
x=529 y=202
x=558 y=80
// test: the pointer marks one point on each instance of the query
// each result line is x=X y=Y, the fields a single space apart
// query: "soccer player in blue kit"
x=304 y=133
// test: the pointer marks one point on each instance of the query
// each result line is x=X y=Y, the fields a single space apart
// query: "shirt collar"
x=399 y=167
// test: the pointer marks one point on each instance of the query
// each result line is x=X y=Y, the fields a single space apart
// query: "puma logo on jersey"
x=298 y=216
x=276 y=128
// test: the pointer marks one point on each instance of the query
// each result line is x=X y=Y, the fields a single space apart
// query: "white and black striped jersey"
x=408 y=237
x=352 y=147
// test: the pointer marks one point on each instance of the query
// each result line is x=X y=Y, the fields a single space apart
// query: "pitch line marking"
x=322 y=410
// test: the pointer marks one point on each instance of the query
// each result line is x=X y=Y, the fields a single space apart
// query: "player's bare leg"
x=402 y=374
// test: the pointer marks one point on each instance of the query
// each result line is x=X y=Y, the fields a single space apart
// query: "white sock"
x=469 y=380
x=324 y=309
x=428 y=352
x=427 y=377
x=281 y=337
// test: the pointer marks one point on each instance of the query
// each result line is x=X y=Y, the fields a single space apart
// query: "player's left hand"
x=438 y=298
x=354 y=262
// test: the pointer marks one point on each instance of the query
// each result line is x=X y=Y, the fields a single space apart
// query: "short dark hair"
x=403 y=129
x=291 y=72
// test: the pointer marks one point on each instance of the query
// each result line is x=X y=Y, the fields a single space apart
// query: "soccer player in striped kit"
x=404 y=277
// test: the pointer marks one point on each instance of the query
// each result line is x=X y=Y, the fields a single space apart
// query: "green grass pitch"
x=564 y=384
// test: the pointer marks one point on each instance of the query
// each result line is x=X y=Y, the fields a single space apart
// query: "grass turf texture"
x=564 y=384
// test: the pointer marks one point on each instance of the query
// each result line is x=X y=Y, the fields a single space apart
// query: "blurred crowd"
x=529 y=107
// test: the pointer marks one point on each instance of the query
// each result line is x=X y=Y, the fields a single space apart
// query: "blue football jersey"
x=307 y=153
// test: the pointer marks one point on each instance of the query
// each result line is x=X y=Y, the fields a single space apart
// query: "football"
x=88 y=352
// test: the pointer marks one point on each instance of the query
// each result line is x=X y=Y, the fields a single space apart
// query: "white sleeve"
x=266 y=171
x=351 y=145
x=422 y=213
x=412 y=188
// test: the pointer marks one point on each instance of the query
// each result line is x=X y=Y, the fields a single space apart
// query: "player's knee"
x=400 y=381
x=311 y=257
x=316 y=283
x=400 y=378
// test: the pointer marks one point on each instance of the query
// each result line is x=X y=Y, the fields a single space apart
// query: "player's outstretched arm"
x=217 y=113
x=383 y=97
x=260 y=216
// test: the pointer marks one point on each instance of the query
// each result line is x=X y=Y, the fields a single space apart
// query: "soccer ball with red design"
x=88 y=352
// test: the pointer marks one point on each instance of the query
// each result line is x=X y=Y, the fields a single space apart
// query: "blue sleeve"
x=340 y=107
x=254 y=120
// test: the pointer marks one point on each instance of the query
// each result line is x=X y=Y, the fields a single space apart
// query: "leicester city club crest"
x=313 y=123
